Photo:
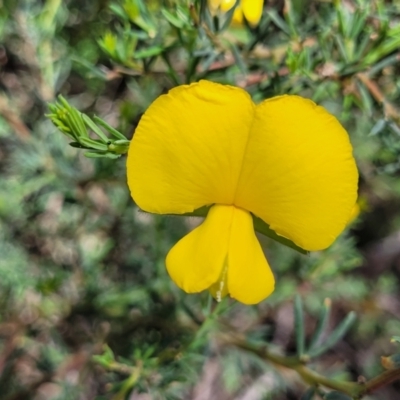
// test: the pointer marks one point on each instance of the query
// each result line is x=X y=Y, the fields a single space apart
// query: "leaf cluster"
x=86 y=307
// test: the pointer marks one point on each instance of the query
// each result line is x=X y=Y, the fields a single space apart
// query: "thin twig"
x=389 y=110
x=354 y=389
x=13 y=119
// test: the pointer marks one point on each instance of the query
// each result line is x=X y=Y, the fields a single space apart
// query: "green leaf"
x=105 y=359
x=172 y=19
x=123 y=142
x=386 y=62
x=238 y=58
x=72 y=118
x=108 y=43
x=366 y=99
x=322 y=324
x=109 y=128
x=382 y=51
x=118 y=10
x=93 y=154
x=228 y=17
x=93 y=144
x=53 y=108
x=335 y=336
x=378 y=127
x=278 y=21
x=149 y=52
x=91 y=125
x=112 y=156
x=208 y=20
x=132 y=9
x=299 y=324
x=146 y=25
x=358 y=24
x=60 y=125
x=77 y=145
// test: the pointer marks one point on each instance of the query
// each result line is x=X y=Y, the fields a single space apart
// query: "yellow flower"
x=251 y=9
x=286 y=161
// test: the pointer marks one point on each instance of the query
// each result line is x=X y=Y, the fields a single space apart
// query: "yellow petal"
x=197 y=260
x=252 y=10
x=188 y=147
x=223 y=255
x=298 y=173
x=237 y=18
x=249 y=276
x=226 y=5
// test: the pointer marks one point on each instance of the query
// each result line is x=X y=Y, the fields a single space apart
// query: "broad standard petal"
x=196 y=262
x=249 y=277
x=298 y=172
x=187 y=149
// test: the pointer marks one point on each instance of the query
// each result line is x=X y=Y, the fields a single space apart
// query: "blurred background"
x=87 y=310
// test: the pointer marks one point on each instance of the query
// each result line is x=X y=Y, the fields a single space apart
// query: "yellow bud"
x=237 y=18
x=252 y=10
x=391 y=362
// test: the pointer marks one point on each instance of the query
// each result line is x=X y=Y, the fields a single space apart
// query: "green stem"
x=313 y=378
x=379 y=381
x=308 y=375
x=353 y=389
x=129 y=383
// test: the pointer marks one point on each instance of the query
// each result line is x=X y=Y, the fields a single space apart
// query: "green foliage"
x=87 y=308
x=75 y=125
x=316 y=348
